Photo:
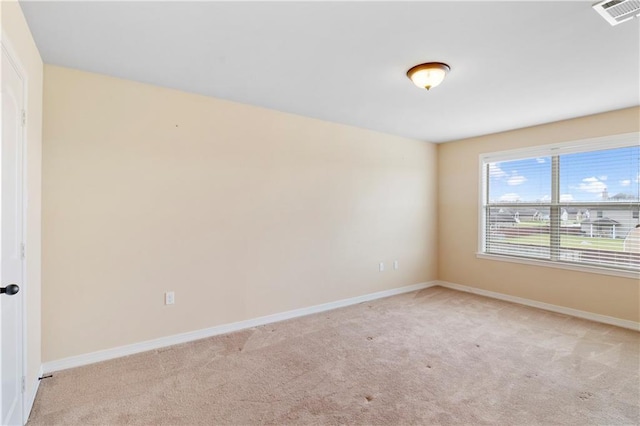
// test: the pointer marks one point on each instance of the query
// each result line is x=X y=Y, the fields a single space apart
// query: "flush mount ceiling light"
x=428 y=75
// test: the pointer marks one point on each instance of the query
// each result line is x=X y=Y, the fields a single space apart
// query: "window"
x=570 y=204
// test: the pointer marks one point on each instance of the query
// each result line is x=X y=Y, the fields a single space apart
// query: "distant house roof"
x=623 y=196
x=603 y=221
x=522 y=211
x=527 y=211
x=496 y=210
x=502 y=217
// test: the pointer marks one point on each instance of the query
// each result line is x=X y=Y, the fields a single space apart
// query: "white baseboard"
x=546 y=306
x=107 y=354
x=31 y=397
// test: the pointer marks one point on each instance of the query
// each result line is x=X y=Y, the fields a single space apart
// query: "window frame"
x=548 y=150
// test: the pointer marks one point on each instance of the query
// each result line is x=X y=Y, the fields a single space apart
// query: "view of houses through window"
x=577 y=207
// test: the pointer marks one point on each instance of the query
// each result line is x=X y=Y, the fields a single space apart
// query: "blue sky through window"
x=584 y=177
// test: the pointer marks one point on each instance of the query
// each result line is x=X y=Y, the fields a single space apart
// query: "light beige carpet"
x=436 y=356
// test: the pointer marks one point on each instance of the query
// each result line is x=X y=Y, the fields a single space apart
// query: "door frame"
x=7 y=47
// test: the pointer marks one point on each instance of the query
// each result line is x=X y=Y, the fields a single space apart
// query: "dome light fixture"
x=428 y=75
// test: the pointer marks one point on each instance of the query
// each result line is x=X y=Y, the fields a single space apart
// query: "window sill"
x=560 y=265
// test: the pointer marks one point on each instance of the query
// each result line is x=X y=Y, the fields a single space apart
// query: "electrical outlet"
x=169 y=298
x=381 y=266
x=395 y=264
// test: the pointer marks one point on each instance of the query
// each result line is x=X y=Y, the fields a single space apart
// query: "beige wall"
x=458 y=165
x=242 y=211
x=18 y=37
x=245 y=212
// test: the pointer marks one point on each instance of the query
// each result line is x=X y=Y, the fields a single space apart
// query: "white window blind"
x=572 y=203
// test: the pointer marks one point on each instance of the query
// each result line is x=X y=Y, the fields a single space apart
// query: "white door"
x=11 y=303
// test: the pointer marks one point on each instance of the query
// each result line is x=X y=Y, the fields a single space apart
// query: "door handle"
x=11 y=289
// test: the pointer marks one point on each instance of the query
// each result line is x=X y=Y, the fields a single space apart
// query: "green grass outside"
x=569 y=241
x=532 y=224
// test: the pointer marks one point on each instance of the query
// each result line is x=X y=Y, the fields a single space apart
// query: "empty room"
x=363 y=213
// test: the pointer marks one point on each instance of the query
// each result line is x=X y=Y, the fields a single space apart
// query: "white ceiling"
x=513 y=64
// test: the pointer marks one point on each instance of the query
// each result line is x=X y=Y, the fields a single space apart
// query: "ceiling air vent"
x=617 y=11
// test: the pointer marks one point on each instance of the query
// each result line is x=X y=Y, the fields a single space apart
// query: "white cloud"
x=602 y=178
x=495 y=171
x=545 y=198
x=625 y=182
x=566 y=197
x=516 y=179
x=511 y=196
x=638 y=178
x=592 y=184
x=541 y=160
